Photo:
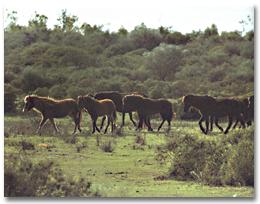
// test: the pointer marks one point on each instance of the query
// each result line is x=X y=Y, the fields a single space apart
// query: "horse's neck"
x=38 y=104
x=198 y=104
x=93 y=105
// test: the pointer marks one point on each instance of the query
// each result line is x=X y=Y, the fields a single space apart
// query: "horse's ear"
x=183 y=98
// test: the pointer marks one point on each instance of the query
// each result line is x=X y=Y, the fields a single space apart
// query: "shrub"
x=24 y=178
x=107 y=146
x=33 y=79
x=9 y=99
x=214 y=161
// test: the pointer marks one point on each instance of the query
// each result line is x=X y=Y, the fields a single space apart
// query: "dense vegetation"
x=69 y=60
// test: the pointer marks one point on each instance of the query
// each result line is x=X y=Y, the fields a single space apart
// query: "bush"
x=107 y=146
x=9 y=99
x=23 y=178
x=214 y=161
x=33 y=79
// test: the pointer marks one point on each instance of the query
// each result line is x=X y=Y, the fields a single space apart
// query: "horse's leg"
x=211 y=123
x=102 y=122
x=147 y=123
x=96 y=125
x=249 y=123
x=200 y=124
x=169 y=125
x=207 y=125
x=230 y=121
x=108 y=123
x=131 y=118
x=161 y=125
x=76 y=117
x=112 y=125
x=234 y=126
x=242 y=121
x=55 y=127
x=123 y=119
x=43 y=121
x=78 y=120
x=140 y=124
x=219 y=127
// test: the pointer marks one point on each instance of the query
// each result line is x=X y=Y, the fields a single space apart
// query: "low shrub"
x=24 y=178
x=107 y=146
x=226 y=160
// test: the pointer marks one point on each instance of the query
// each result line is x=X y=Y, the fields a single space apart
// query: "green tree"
x=67 y=22
x=38 y=22
x=163 y=61
x=12 y=22
x=213 y=30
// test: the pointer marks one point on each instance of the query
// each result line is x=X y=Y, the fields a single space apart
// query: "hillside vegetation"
x=69 y=60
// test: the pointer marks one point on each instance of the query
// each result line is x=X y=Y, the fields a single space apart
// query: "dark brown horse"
x=249 y=111
x=203 y=104
x=117 y=98
x=146 y=107
x=97 y=108
x=213 y=109
x=51 y=108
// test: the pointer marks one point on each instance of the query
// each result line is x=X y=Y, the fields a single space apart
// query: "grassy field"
x=128 y=168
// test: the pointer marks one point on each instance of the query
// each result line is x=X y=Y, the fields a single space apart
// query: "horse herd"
x=106 y=104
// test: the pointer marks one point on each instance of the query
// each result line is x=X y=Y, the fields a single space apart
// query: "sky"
x=113 y=14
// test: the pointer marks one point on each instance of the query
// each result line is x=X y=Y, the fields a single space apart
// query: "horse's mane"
x=44 y=98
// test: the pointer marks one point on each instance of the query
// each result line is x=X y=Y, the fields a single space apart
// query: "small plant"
x=107 y=146
x=27 y=145
x=139 y=139
x=81 y=146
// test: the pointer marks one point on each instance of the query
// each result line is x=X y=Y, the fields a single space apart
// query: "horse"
x=146 y=107
x=233 y=108
x=97 y=108
x=51 y=108
x=117 y=98
x=203 y=104
x=212 y=109
x=249 y=111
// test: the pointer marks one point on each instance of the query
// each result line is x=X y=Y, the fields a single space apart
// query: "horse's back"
x=115 y=96
x=106 y=106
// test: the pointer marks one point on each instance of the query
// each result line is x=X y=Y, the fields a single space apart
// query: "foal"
x=97 y=108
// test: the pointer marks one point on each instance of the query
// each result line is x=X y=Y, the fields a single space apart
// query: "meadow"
x=124 y=164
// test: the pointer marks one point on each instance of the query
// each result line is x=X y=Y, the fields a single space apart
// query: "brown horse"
x=51 y=108
x=146 y=107
x=117 y=98
x=249 y=113
x=96 y=108
x=213 y=109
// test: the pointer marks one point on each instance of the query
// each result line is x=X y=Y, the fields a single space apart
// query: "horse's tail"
x=79 y=117
x=114 y=115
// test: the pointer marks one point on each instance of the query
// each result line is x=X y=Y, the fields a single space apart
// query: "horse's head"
x=80 y=102
x=85 y=101
x=28 y=103
x=186 y=102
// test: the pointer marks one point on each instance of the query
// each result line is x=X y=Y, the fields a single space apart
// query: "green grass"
x=131 y=170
